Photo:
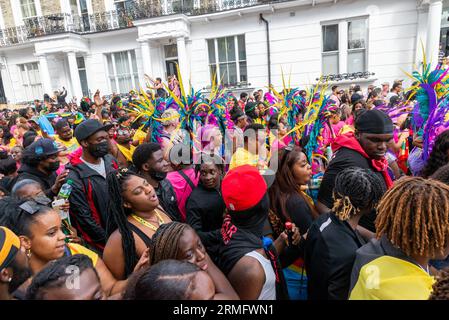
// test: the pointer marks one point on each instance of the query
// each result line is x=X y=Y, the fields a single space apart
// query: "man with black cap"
x=89 y=198
x=39 y=163
x=366 y=148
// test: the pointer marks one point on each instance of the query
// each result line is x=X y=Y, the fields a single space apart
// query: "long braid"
x=117 y=212
x=414 y=216
x=356 y=189
x=165 y=241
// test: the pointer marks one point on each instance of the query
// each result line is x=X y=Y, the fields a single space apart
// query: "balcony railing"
x=122 y=17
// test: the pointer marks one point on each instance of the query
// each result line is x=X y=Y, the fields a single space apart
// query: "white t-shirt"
x=100 y=168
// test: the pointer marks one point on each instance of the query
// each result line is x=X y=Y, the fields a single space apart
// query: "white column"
x=343 y=47
x=45 y=74
x=433 y=31
x=182 y=61
x=74 y=76
x=146 y=58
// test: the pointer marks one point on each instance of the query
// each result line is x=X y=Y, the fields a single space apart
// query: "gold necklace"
x=146 y=223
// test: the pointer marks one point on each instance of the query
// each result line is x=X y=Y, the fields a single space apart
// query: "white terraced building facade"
x=109 y=45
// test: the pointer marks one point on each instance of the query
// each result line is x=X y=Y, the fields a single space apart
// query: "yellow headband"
x=9 y=247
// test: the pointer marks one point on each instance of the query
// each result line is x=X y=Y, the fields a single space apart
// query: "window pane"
x=230 y=48
x=211 y=50
x=330 y=38
x=110 y=68
x=213 y=73
x=171 y=51
x=73 y=7
x=83 y=6
x=221 y=49
x=243 y=72
x=121 y=63
x=357 y=31
x=330 y=64
x=356 y=61
x=232 y=67
x=242 y=49
x=113 y=85
x=224 y=73
x=133 y=61
x=80 y=63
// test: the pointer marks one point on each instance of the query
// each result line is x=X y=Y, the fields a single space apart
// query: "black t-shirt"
x=346 y=158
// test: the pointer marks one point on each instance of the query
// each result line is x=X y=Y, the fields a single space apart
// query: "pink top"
x=350 y=121
x=329 y=135
x=182 y=188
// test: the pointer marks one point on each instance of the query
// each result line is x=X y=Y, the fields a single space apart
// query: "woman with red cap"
x=250 y=260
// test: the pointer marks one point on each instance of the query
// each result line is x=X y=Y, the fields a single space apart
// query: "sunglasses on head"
x=34 y=205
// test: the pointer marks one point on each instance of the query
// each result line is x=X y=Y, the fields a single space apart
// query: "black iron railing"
x=123 y=17
x=347 y=76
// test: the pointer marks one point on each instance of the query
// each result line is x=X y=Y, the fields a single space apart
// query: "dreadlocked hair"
x=439 y=155
x=356 y=189
x=414 y=216
x=441 y=286
x=118 y=214
x=164 y=243
x=55 y=274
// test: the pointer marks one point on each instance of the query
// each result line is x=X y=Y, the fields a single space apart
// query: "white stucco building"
x=247 y=43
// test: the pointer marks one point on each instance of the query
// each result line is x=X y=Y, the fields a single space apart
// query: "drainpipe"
x=268 y=49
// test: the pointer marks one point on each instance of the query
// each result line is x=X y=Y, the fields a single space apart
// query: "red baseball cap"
x=242 y=188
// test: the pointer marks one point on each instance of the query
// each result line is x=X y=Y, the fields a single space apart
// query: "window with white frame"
x=122 y=71
x=357 y=38
x=344 y=46
x=227 y=60
x=31 y=80
x=330 y=49
x=28 y=8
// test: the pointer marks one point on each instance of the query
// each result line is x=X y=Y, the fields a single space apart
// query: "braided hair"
x=356 y=189
x=441 y=287
x=439 y=155
x=414 y=216
x=167 y=280
x=118 y=216
x=165 y=241
x=55 y=274
x=18 y=219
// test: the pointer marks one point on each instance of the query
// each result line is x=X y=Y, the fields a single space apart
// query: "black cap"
x=374 y=121
x=42 y=148
x=89 y=127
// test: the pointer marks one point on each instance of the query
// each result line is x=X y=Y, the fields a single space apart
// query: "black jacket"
x=167 y=200
x=204 y=212
x=346 y=158
x=45 y=180
x=329 y=255
x=89 y=200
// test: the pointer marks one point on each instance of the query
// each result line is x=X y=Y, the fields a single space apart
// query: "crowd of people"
x=315 y=194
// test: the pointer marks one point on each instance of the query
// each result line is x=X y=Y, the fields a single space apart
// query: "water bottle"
x=64 y=194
